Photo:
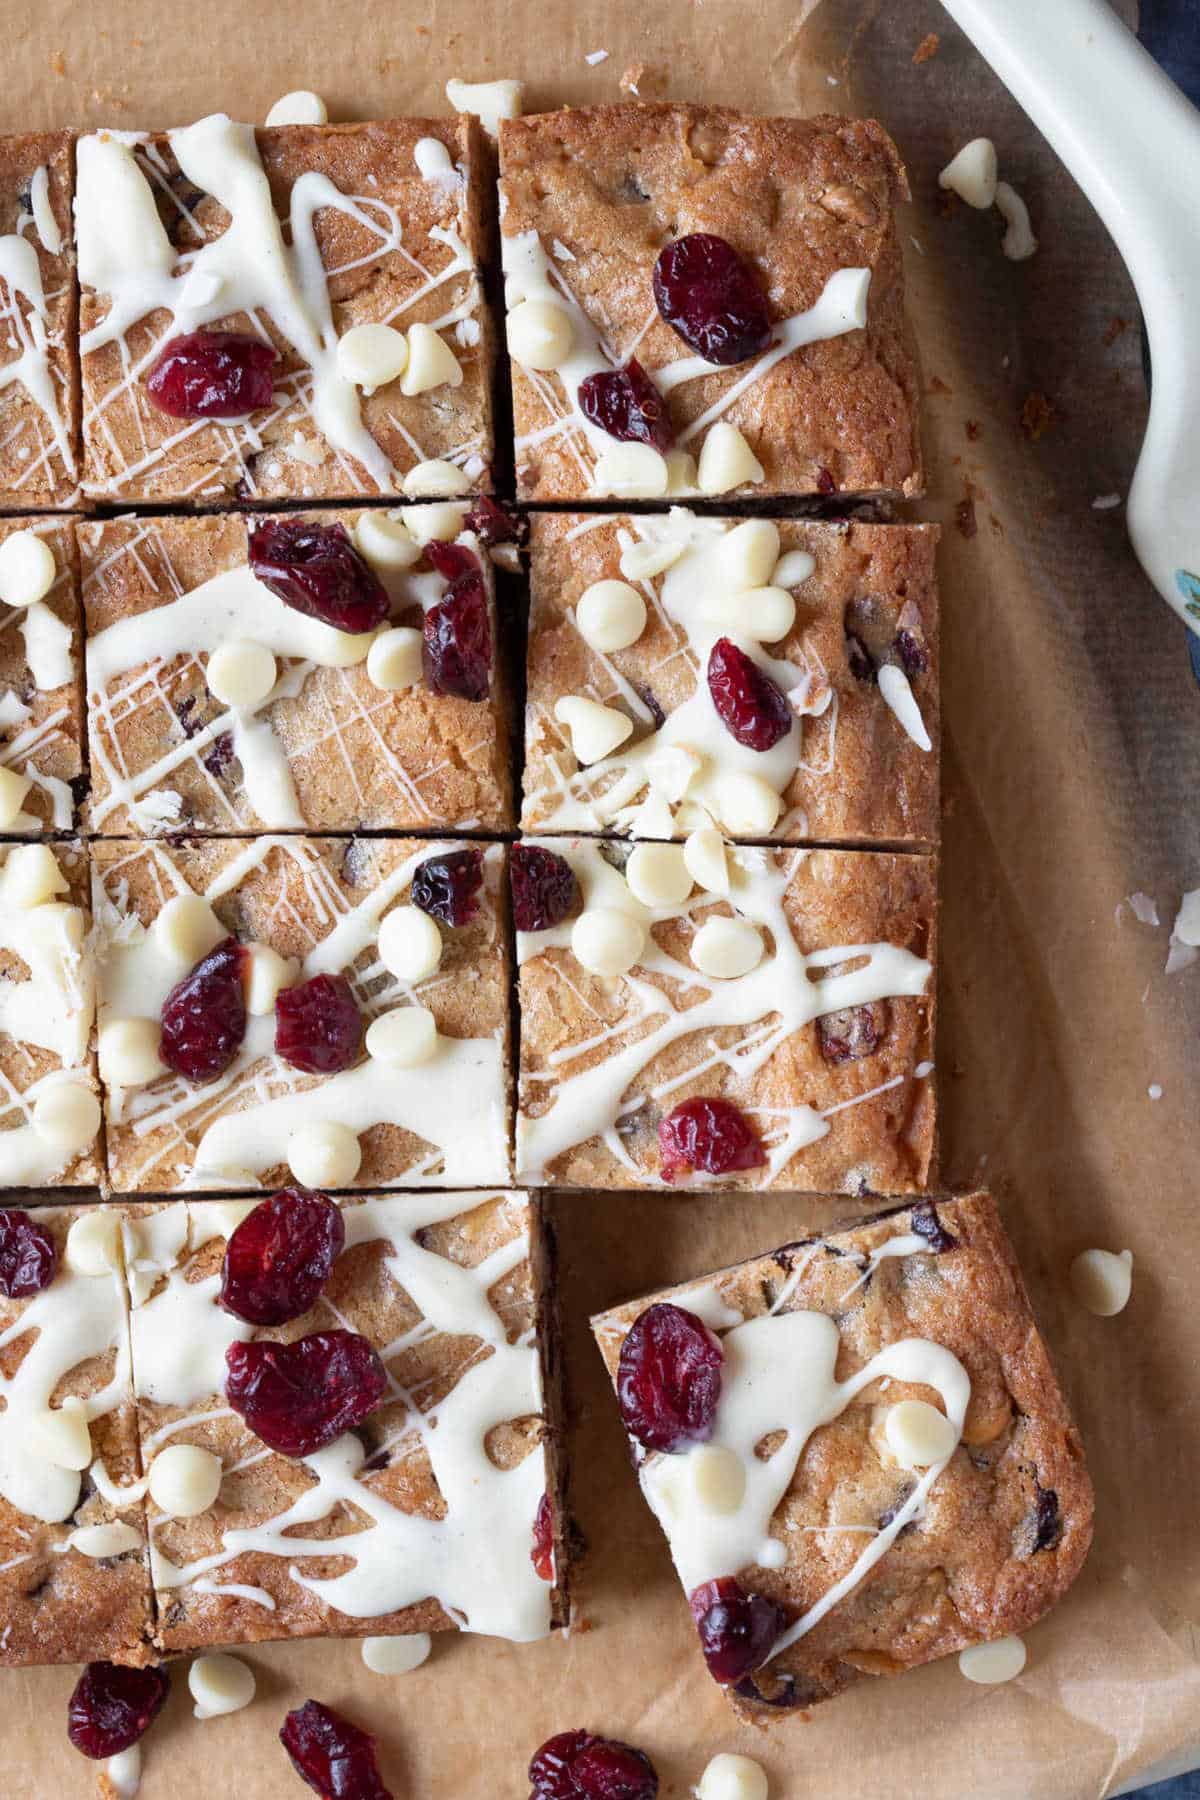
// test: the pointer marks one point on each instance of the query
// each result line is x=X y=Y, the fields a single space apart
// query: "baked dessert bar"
x=74 y=1580
x=420 y=1519
x=39 y=376
x=225 y=696
x=50 y=1112
x=858 y=1451
x=705 y=302
x=738 y=1018
x=779 y=679
x=41 y=676
x=337 y=1008
x=286 y=239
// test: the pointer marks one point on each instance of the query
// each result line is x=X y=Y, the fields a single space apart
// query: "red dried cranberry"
x=925 y=1222
x=544 y=888
x=458 y=639
x=577 y=1765
x=447 y=887
x=451 y=560
x=913 y=658
x=204 y=1015
x=710 y=1136
x=542 y=1554
x=825 y=482
x=27 y=1255
x=112 y=1706
x=626 y=404
x=336 y=1758
x=298 y=1397
x=669 y=1378
x=278 y=1259
x=737 y=1629
x=711 y=299
x=316 y=570
x=749 y=705
x=850 y=1033
x=212 y=375
x=550 y=1767
x=318 y=1027
x=495 y=523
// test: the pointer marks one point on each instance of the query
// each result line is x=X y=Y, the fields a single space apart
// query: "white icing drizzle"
x=25 y=321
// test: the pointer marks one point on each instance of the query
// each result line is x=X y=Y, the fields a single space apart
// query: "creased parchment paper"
x=1072 y=766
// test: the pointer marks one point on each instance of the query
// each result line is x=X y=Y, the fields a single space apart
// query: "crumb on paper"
x=1019 y=242
x=938 y=386
x=833 y=81
x=974 y=431
x=917 y=245
x=1105 y=502
x=1155 y=1090
x=1113 y=330
x=642 y=80
x=595 y=56
x=927 y=49
x=1038 y=414
x=58 y=63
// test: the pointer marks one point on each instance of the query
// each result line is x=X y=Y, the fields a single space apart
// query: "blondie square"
x=430 y=1514
x=868 y=1462
x=74 y=1580
x=41 y=678
x=291 y=237
x=214 y=704
x=778 y=679
x=318 y=1010
x=39 y=374
x=766 y=1021
x=700 y=301
x=49 y=1105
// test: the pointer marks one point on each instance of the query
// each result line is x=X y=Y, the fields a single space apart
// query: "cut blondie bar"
x=41 y=676
x=39 y=374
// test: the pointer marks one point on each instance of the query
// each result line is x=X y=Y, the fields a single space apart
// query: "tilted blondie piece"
x=777 y=679
x=430 y=1513
x=724 y=1017
x=74 y=1581
x=858 y=1451
x=41 y=676
x=350 y=251
x=700 y=301
x=217 y=702
x=335 y=1007
x=50 y=1115
x=39 y=374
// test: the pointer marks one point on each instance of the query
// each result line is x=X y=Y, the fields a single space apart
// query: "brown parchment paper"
x=1072 y=768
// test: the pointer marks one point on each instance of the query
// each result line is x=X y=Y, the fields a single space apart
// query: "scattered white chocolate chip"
x=681 y=472
x=266 y=974
x=896 y=690
x=13 y=789
x=918 y=1435
x=323 y=1155
x=128 y=1050
x=431 y=363
x=435 y=478
x=727 y=948
x=395 y=659
x=345 y=649
x=748 y=554
x=658 y=875
x=396 y=1655
x=220 y=1684
x=631 y=472
x=67 y=1116
x=718 y=1477
x=369 y=356
x=27 y=569
x=595 y=731
x=410 y=944
x=1019 y=242
x=1102 y=1281
x=793 y=568
x=187 y=928
x=443 y=521
x=607 y=942
x=672 y=770
x=94 y=1243
x=301 y=107
x=387 y=543
x=124 y=1772
x=403 y=1037
x=644 y=558
x=747 y=805
x=972 y=173
x=540 y=334
x=31 y=877
x=113 y=1539
x=765 y=614
x=1000 y=1660
x=730 y=1777
x=610 y=615
x=230 y=1213
x=490 y=101
x=184 y=1480
x=704 y=854
x=240 y=672
x=726 y=461
x=44 y=221
x=62 y=1434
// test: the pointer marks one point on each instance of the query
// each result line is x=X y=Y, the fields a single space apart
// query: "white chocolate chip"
x=124 y=1772
x=747 y=805
x=1000 y=1660
x=1018 y=243
x=220 y=1684
x=595 y=731
x=240 y=672
x=631 y=472
x=300 y=107
x=94 y=1243
x=917 y=1434
x=324 y=1155
x=793 y=569
x=395 y=661
x=704 y=854
x=896 y=692
x=387 y=543
x=128 y=1050
x=650 y=556
x=13 y=789
x=344 y=649
x=187 y=928
x=184 y=1480
x=718 y=1477
x=31 y=877
x=972 y=173
x=443 y=522
x=540 y=334
x=396 y=1655
x=266 y=974
x=607 y=942
x=748 y=554
x=67 y=1116
x=681 y=472
x=113 y=1539
x=610 y=615
x=490 y=101
x=431 y=363
x=369 y=356
x=62 y=1434
x=410 y=944
x=730 y=1777
x=403 y=1037
x=27 y=569
x=727 y=948
x=765 y=614
x=230 y=1213
x=726 y=461
x=431 y=480
x=658 y=875
x=1102 y=1281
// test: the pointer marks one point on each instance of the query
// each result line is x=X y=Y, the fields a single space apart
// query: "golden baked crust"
x=1008 y=1522
x=44 y=739
x=605 y=187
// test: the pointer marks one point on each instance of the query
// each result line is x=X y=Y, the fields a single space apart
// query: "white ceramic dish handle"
x=1132 y=142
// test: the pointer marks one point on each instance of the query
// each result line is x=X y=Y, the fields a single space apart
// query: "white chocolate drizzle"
x=25 y=321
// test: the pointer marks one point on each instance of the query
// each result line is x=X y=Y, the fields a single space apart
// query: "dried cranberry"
x=221 y=754
x=27 y=1255
x=913 y=658
x=318 y=1027
x=316 y=570
x=112 y=1706
x=336 y=1759
x=212 y=375
x=495 y=523
x=710 y=1136
x=737 y=1629
x=458 y=640
x=204 y=1015
x=278 y=1259
x=298 y=1397
x=669 y=1378
x=447 y=887
x=451 y=560
x=626 y=404
x=924 y=1221
x=825 y=482
x=849 y=1034
x=1047 y=1523
x=542 y=1554
x=577 y=1765
x=544 y=888
x=711 y=299
x=550 y=1767
x=749 y=705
